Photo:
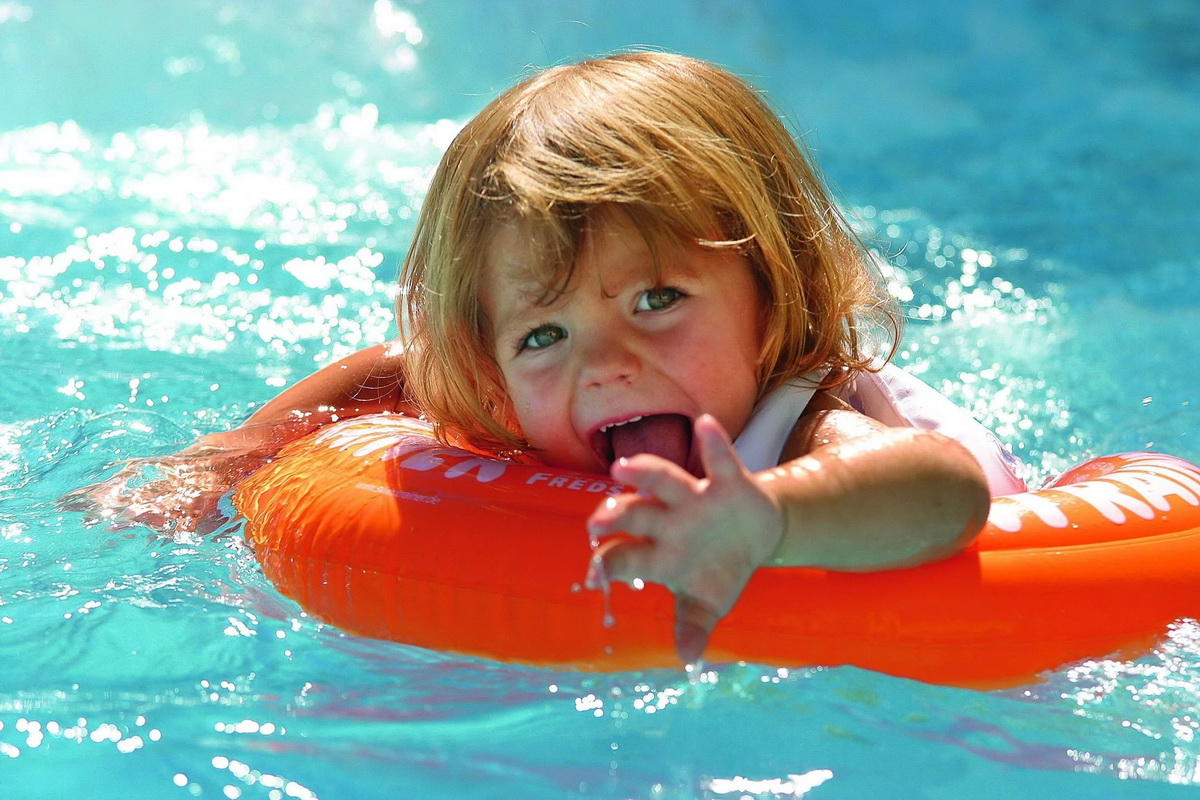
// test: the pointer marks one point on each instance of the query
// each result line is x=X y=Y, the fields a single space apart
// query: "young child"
x=627 y=265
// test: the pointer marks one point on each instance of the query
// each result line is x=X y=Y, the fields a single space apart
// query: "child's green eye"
x=542 y=336
x=658 y=299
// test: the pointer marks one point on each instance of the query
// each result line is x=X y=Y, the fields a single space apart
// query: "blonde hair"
x=691 y=154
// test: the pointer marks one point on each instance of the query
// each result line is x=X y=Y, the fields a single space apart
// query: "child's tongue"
x=665 y=435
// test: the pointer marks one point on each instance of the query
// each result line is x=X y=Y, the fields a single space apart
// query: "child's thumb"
x=721 y=462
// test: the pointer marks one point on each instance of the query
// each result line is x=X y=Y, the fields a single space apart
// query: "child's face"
x=620 y=346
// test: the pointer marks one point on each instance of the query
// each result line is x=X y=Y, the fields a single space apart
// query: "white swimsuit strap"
x=891 y=396
x=897 y=398
x=761 y=442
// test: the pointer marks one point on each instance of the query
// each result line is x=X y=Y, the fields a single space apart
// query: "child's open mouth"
x=668 y=436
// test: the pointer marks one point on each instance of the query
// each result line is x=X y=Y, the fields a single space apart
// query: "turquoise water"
x=201 y=202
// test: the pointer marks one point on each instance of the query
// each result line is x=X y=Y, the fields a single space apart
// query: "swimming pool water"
x=201 y=202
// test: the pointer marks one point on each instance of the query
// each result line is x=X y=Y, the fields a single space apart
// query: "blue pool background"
x=203 y=201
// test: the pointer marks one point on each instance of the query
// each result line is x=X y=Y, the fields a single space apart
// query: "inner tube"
x=374 y=526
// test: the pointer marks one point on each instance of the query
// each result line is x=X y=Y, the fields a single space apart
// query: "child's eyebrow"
x=517 y=307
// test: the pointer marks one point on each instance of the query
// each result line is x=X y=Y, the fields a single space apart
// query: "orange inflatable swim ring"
x=375 y=527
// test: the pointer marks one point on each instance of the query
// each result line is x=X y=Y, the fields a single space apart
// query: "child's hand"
x=702 y=538
x=177 y=493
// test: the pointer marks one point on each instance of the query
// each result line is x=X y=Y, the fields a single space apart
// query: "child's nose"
x=608 y=359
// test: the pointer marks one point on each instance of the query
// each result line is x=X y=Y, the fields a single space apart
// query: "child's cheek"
x=534 y=400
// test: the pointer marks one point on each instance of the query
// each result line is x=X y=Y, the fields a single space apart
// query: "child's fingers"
x=694 y=623
x=623 y=562
x=78 y=500
x=666 y=481
x=721 y=461
x=628 y=561
x=631 y=513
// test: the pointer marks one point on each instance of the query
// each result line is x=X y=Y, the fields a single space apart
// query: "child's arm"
x=369 y=381
x=855 y=496
x=181 y=491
